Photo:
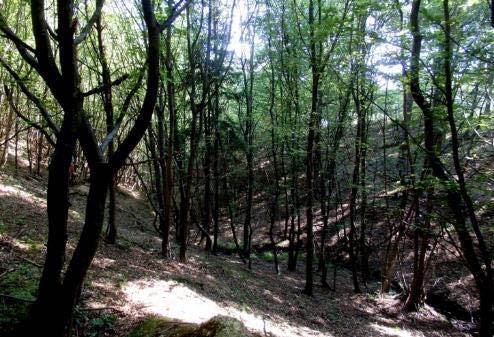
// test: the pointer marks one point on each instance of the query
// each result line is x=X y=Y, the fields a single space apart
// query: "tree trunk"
x=455 y=194
x=169 y=178
x=49 y=297
x=106 y=95
x=421 y=243
x=101 y=176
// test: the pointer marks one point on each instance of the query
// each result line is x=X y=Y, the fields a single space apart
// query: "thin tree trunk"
x=421 y=243
x=310 y=165
x=456 y=203
x=106 y=95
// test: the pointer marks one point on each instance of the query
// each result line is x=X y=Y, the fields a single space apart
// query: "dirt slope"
x=129 y=281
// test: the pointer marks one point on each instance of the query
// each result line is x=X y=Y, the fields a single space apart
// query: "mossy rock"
x=221 y=326
x=154 y=326
x=218 y=326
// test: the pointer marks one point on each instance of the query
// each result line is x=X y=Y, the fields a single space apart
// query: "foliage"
x=20 y=284
x=272 y=114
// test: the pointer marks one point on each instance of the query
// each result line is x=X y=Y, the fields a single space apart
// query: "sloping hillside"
x=129 y=281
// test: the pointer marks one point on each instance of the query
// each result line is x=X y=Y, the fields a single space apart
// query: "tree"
x=56 y=297
x=457 y=199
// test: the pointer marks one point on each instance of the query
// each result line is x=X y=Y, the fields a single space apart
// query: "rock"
x=218 y=326
x=222 y=326
x=80 y=189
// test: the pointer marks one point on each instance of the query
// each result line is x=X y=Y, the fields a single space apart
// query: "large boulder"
x=218 y=326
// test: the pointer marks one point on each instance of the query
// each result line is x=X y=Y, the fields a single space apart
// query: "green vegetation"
x=298 y=134
x=18 y=287
x=155 y=326
x=3 y=227
x=218 y=326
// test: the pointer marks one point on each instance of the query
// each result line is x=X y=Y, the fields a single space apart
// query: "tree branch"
x=103 y=87
x=12 y=36
x=85 y=31
x=37 y=102
x=35 y=125
x=104 y=144
x=176 y=11
x=45 y=63
x=89 y=143
x=144 y=118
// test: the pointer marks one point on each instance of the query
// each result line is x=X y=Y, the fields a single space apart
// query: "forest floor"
x=129 y=281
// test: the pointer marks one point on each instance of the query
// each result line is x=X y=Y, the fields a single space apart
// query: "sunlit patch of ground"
x=176 y=301
x=21 y=194
x=103 y=262
x=393 y=331
x=171 y=299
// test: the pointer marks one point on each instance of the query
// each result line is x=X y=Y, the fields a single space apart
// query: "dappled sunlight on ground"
x=130 y=280
x=174 y=300
x=27 y=199
x=19 y=193
x=103 y=262
x=395 y=331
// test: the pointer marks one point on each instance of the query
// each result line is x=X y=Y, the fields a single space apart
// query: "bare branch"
x=85 y=31
x=88 y=142
x=102 y=87
x=104 y=144
x=176 y=11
